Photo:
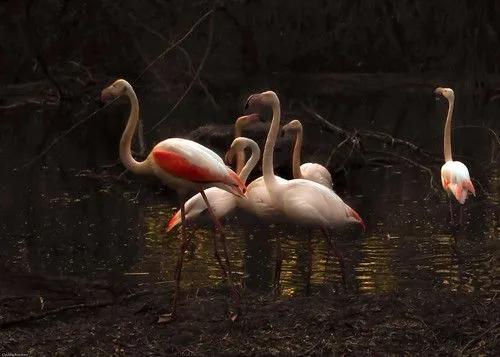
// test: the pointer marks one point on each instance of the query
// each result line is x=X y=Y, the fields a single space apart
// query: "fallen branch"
x=33 y=317
x=468 y=344
x=384 y=137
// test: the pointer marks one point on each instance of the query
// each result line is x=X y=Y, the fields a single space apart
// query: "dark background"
x=361 y=64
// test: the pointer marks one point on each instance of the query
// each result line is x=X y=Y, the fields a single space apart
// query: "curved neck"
x=254 y=159
x=447 y=131
x=267 y=158
x=296 y=155
x=240 y=155
x=126 y=141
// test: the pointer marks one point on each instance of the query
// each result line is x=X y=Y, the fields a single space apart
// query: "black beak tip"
x=249 y=101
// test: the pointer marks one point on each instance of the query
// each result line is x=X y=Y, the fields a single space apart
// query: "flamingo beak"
x=105 y=96
x=251 y=101
x=228 y=158
x=438 y=92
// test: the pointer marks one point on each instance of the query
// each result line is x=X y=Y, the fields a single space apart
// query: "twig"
x=32 y=317
x=176 y=43
x=196 y=75
x=431 y=181
x=384 y=137
x=329 y=125
x=479 y=336
x=66 y=132
x=186 y=35
x=200 y=82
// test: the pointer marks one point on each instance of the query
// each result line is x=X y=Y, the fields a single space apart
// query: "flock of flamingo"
x=307 y=200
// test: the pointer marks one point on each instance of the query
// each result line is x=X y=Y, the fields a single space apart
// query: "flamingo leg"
x=461 y=215
x=216 y=253
x=178 y=268
x=451 y=211
x=277 y=269
x=339 y=256
x=234 y=293
x=309 y=261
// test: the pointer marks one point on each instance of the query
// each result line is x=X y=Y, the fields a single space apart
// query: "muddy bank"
x=99 y=318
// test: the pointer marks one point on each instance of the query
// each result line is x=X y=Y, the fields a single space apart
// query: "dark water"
x=83 y=230
x=61 y=216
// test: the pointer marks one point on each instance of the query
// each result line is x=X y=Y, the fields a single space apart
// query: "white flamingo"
x=309 y=171
x=301 y=201
x=454 y=174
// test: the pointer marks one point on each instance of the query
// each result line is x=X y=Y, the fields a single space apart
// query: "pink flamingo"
x=222 y=202
x=182 y=165
x=305 y=202
x=309 y=171
x=454 y=174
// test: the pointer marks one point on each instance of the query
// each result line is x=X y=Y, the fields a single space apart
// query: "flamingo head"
x=445 y=92
x=118 y=88
x=246 y=119
x=238 y=144
x=265 y=98
x=292 y=127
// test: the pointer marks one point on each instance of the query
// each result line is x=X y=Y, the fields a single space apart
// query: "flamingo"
x=240 y=123
x=182 y=165
x=309 y=171
x=455 y=177
x=222 y=201
x=305 y=202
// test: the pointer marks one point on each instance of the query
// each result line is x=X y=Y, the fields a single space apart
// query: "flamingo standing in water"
x=454 y=174
x=222 y=202
x=182 y=165
x=305 y=202
x=309 y=171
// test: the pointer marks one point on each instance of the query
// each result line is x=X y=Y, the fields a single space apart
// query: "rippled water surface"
x=76 y=227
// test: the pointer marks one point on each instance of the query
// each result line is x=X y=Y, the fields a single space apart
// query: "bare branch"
x=176 y=43
x=196 y=75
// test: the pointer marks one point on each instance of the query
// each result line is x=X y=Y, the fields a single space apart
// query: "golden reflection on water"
x=408 y=244
x=375 y=271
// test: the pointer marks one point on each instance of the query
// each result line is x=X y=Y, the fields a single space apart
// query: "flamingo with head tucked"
x=182 y=165
x=454 y=174
x=308 y=171
x=304 y=202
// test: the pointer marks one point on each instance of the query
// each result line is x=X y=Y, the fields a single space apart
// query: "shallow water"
x=70 y=225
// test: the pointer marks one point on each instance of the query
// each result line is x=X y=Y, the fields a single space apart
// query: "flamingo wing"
x=222 y=203
x=191 y=161
x=313 y=204
x=455 y=179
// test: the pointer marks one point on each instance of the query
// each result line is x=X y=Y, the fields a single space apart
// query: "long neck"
x=447 y=131
x=126 y=141
x=254 y=159
x=267 y=159
x=240 y=155
x=296 y=155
